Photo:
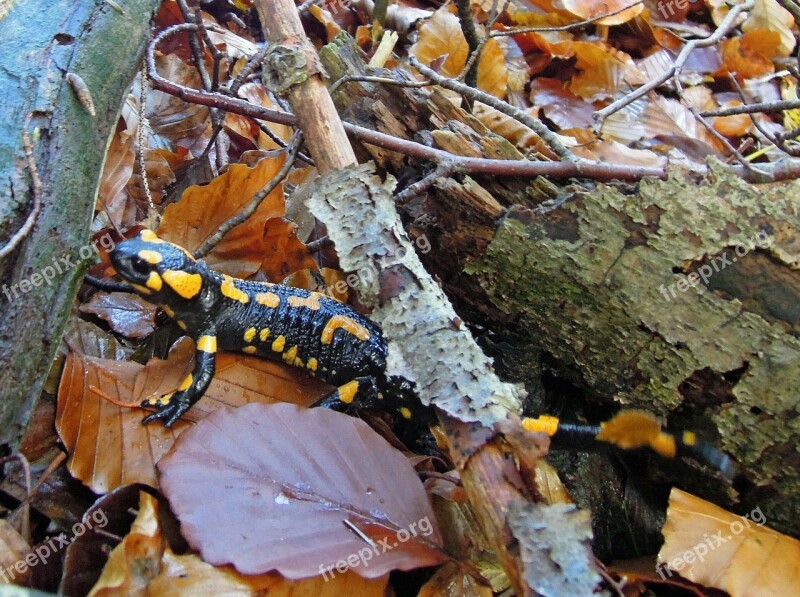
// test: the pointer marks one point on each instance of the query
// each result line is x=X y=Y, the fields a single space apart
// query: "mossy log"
x=40 y=43
x=680 y=298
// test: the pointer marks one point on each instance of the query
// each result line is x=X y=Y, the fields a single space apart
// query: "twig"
x=724 y=27
x=443 y=170
x=547 y=136
x=140 y=137
x=474 y=56
x=319 y=244
x=471 y=35
x=36 y=190
x=232 y=222
x=765 y=107
x=380 y=80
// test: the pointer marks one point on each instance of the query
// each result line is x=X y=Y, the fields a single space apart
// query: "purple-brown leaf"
x=269 y=487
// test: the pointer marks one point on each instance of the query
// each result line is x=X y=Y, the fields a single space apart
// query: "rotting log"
x=680 y=299
x=40 y=42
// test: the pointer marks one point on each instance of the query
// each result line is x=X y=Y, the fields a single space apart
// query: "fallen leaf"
x=589 y=9
x=771 y=16
x=736 y=554
x=285 y=480
x=127 y=314
x=134 y=562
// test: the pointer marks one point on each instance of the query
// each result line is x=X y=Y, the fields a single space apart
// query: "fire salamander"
x=301 y=328
x=324 y=336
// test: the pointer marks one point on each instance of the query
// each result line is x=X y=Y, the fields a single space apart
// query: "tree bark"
x=40 y=42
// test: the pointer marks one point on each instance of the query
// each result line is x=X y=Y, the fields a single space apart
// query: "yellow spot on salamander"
x=290 y=355
x=142 y=289
x=164 y=399
x=149 y=236
x=270 y=299
x=664 y=443
x=228 y=288
x=151 y=257
x=689 y=438
x=312 y=364
x=250 y=349
x=262 y=335
x=278 y=344
x=185 y=285
x=347 y=324
x=168 y=310
x=181 y=324
x=348 y=391
x=298 y=362
x=544 y=424
x=249 y=334
x=154 y=282
x=310 y=302
x=405 y=412
x=187 y=383
x=207 y=343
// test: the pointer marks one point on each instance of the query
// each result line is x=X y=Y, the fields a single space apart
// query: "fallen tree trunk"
x=40 y=42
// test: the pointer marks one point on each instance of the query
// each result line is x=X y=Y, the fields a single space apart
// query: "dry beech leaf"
x=285 y=479
x=109 y=446
x=602 y=70
x=739 y=57
x=715 y=548
x=737 y=125
x=769 y=15
x=441 y=36
x=136 y=560
x=256 y=94
x=240 y=253
x=117 y=171
x=170 y=117
x=127 y=314
x=589 y=9
x=189 y=575
x=561 y=106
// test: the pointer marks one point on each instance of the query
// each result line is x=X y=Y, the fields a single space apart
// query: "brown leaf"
x=127 y=314
x=441 y=35
x=13 y=549
x=737 y=125
x=769 y=15
x=117 y=171
x=736 y=554
x=189 y=575
x=561 y=106
x=107 y=443
x=452 y=581
x=134 y=562
x=285 y=480
x=741 y=57
x=589 y=9
x=202 y=209
x=602 y=70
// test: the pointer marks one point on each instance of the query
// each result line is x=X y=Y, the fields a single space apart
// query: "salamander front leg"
x=170 y=407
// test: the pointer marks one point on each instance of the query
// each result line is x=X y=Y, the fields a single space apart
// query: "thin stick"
x=36 y=189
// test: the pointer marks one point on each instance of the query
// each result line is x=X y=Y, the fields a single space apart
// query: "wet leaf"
x=127 y=314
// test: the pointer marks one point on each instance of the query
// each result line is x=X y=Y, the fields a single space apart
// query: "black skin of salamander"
x=210 y=312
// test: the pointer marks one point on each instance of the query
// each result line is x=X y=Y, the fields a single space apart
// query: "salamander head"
x=159 y=271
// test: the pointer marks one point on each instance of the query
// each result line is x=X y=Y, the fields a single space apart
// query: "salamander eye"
x=140 y=266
